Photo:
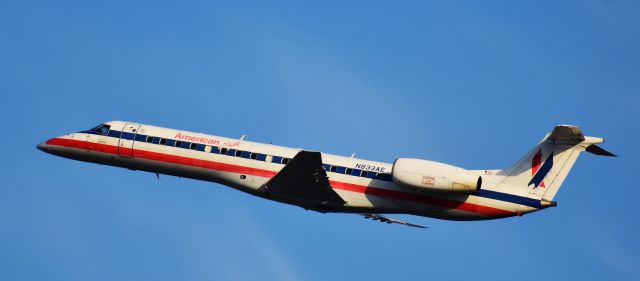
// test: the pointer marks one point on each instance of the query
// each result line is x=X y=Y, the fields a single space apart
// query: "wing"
x=390 y=220
x=304 y=180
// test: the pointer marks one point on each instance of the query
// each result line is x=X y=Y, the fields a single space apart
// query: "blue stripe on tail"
x=544 y=170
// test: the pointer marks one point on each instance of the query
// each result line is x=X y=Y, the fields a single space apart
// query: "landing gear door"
x=127 y=138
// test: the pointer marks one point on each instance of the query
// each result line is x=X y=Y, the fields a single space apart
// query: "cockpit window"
x=102 y=129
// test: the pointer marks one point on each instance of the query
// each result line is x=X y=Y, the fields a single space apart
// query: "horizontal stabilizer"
x=599 y=151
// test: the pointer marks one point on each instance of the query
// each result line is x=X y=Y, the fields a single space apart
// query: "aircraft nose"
x=43 y=147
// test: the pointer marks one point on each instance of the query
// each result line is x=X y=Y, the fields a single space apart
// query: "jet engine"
x=433 y=176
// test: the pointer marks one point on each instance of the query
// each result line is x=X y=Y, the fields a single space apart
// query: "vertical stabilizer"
x=545 y=167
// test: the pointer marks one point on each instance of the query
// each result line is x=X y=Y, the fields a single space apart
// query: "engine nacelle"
x=434 y=176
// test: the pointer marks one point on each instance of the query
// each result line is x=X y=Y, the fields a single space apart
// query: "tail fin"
x=545 y=167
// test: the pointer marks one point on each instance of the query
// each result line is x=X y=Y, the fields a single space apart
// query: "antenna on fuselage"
x=353 y=155
x=242 y=137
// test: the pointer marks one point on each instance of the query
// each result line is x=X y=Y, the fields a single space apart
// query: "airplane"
x=337 y=184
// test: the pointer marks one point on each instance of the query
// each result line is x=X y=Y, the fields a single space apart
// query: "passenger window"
x=149 y=139
x=223 y=150
x=349 y=171
x=193 y=146
x=178 y=143
x=253 y=156
x=363 y=174
x=387 y=177
x=285 y=160
x=163 y=141
x=276 y=159
x=238 y=153
x=333 y=169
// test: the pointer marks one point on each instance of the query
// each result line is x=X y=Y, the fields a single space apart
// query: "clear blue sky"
x=471 y=83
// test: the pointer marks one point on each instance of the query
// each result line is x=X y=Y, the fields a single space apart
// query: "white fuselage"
x=366 y=186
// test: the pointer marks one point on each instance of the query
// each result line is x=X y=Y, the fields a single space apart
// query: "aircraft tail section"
x=543 y=169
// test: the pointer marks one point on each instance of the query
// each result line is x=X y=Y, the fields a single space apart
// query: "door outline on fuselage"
x=123 y=143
